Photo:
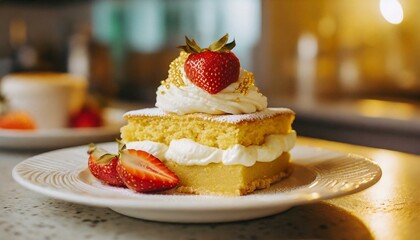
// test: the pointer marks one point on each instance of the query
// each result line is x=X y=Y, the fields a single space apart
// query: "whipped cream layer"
x=188 y=98
x=187 y=152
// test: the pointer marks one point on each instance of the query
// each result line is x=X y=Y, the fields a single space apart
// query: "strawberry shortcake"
x=211 y=126
x=210 y=132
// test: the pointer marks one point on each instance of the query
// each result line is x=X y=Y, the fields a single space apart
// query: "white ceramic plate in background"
x=47 y=139
x=318 y=174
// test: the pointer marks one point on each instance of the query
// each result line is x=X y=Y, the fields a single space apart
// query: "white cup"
x=49 y=98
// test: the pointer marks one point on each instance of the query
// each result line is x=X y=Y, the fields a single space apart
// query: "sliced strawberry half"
x=142 y=172
x=103 y=166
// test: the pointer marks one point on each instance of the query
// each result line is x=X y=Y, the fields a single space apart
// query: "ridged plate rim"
x=62 y=174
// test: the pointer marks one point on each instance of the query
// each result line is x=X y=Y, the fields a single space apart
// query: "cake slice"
x=216 y=133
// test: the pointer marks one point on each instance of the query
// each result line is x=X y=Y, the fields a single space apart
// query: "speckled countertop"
x=388 y=210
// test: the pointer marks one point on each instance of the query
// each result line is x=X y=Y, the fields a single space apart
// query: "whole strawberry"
x=103 y=166
x=87 y=117
x=213 y=68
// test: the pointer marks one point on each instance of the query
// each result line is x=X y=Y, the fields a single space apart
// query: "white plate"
x=318 y=174
x=45 y=139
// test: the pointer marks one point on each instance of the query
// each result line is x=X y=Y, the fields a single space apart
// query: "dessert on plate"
x=211 y=126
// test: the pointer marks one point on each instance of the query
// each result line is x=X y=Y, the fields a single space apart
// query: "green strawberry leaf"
x=192 y=45
x=219 y=44
x=99 y=154
x=230 y=45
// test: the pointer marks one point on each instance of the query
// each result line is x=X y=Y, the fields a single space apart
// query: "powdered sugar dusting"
x=148 y=112
x=237 y=118
x=230 y=118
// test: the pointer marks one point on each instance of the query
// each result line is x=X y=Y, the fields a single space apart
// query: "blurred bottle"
x=78 y=56
x=92 y=61
x=24 y=56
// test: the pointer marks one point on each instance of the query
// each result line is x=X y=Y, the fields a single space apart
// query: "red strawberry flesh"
x=212 y=71
x=103 y=166
x=142 y=172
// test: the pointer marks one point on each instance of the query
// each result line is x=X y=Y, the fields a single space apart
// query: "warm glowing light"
x=386 y=109
x=307 y=46
x=392 y=11
x=327 y=26
x=307 y=51
x=382 y=218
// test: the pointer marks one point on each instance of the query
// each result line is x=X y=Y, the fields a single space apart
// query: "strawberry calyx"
x=220 y=46
x=103 y=165
x=101 y=156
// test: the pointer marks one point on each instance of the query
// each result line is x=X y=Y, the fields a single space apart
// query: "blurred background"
x=350 y=69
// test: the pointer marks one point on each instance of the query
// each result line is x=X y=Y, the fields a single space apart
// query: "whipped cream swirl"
x=187 y=152
x=189 y=98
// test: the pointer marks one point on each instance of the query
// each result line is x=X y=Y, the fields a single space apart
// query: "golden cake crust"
x=257 y=184
x=221 y=131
